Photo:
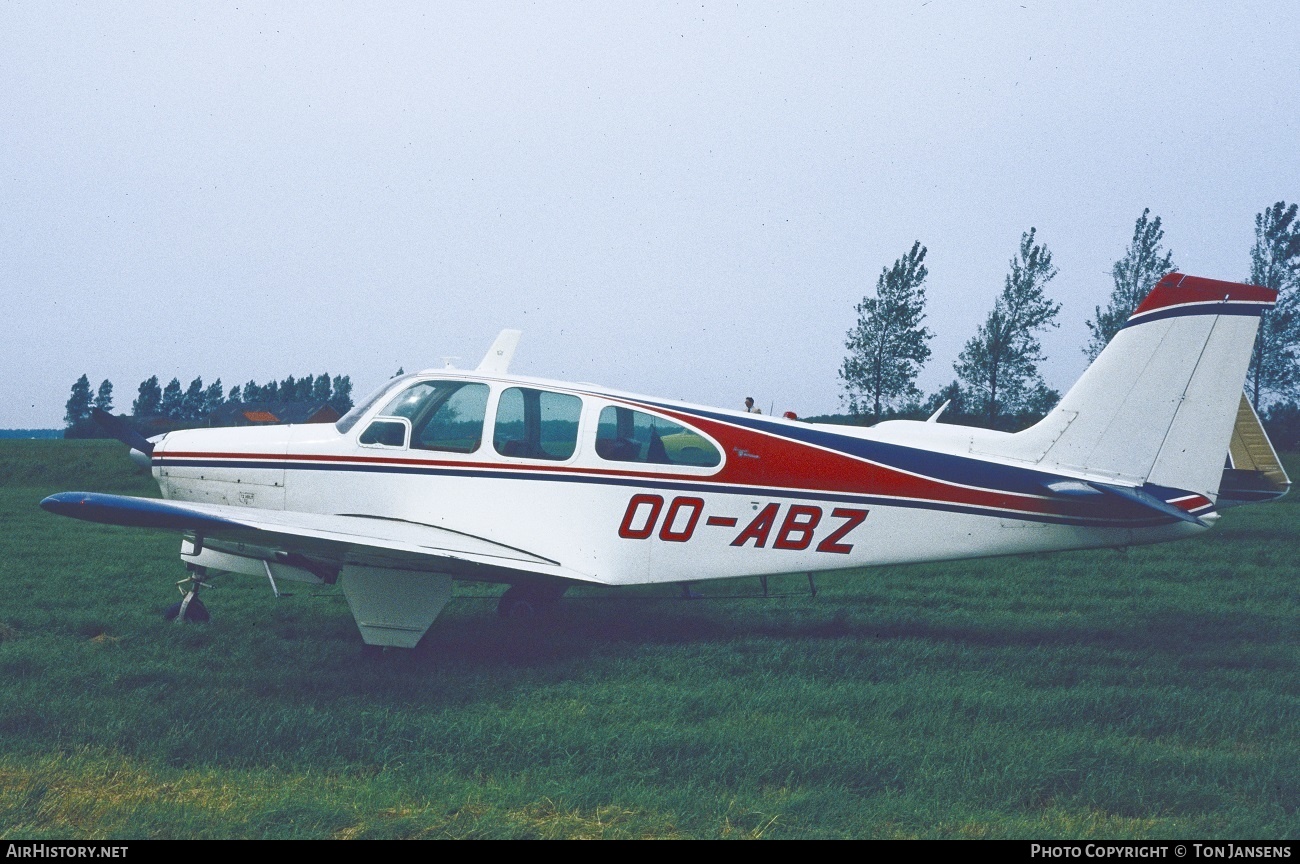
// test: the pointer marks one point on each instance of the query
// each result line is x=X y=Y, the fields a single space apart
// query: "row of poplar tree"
x=196 y=403
x=998 y=382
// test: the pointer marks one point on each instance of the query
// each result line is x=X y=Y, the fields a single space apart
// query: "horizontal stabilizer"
x=1146 y=499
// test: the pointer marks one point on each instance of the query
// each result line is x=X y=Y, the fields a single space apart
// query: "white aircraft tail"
x=1158 y=405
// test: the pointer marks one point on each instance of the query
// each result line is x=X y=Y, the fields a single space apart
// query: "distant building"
x=273 y=413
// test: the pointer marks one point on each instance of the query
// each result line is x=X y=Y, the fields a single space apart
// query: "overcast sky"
x=680 y=199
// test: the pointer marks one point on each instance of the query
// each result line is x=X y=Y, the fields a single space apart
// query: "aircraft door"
x=658 y=525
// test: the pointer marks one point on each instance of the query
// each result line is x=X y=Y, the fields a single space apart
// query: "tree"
x=252 y=392
x=149 y=402
x=77 y=416
x=173 y=400
x=104 y=398
x=999 y=365
x=213 y=397
x=342 y=398
x=1143 y=264
x=235 y=397
x=321 y=392
x=1039 y=400
x=949 y=398
x=192 y=403
x=888 y=345
x=1275 y=263
x=1283 y=425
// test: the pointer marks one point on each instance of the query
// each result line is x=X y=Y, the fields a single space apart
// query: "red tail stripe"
x=1177 y=289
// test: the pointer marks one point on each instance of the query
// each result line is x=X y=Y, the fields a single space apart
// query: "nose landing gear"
x=190 y=608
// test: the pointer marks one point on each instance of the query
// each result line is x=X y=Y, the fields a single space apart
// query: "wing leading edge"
x=341 y=539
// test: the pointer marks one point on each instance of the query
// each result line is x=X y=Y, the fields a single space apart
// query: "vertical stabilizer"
x=1158 y=405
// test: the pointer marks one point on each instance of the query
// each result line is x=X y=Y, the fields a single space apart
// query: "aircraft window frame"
x=426 y=407
x=478 y=419
x=388 y=421
x=655 y=466
x=538 y=454
x=345 y=424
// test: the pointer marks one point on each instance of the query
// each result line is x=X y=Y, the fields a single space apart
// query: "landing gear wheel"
x=190 y=608
x=527 y=602
x=195 y=611
x=517 y=604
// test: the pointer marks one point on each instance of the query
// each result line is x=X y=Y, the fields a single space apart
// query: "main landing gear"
x=527 y=602
x=190 y=608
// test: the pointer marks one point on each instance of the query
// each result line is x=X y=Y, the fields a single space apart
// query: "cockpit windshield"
x=348 y=420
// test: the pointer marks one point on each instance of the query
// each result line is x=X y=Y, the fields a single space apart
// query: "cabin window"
x=444 y=415
x=624 y=435
x=536 y=424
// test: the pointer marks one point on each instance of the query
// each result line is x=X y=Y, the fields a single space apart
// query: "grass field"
x=1147 y=693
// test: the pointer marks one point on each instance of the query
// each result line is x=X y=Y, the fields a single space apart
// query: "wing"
x=335 y=540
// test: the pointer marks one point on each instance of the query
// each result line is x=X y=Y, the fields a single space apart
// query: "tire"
x=528 y=602
x=519 y=604
x=195 y=613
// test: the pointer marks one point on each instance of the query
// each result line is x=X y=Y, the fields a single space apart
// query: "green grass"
x=1145 y=693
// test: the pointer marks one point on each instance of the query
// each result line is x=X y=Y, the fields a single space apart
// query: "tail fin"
x=1158 y=405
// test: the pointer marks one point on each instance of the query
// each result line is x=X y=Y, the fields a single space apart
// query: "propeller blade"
x=122 y=431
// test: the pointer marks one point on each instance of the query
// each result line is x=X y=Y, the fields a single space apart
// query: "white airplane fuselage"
x=785 y=497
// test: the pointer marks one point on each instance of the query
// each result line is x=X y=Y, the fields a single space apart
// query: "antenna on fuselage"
x=497 y=359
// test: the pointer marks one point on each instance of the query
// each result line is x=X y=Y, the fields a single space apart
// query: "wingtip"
x=62 y=502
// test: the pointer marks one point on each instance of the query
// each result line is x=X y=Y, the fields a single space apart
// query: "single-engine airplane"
x=485 y=476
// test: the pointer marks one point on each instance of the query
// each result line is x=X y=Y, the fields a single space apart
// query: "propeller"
x=122 y=431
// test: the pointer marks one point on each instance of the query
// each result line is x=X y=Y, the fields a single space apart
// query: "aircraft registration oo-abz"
x=484 y=476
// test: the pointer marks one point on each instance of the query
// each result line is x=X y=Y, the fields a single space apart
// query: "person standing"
x=750 y=407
